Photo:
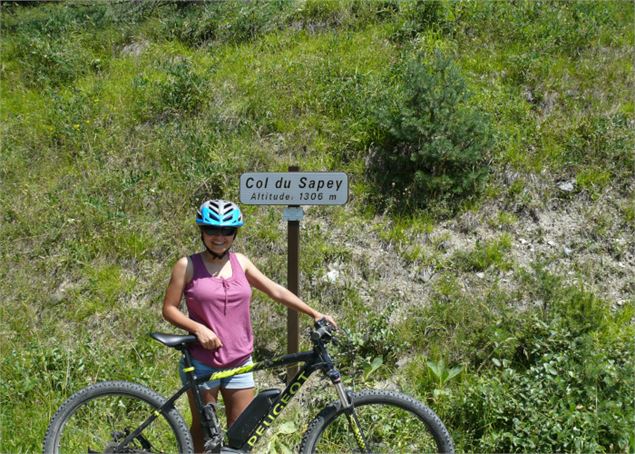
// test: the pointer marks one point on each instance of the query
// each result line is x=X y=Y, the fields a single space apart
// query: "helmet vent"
x=220 y=213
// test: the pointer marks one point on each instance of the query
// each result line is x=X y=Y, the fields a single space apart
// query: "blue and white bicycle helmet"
x=219 y=213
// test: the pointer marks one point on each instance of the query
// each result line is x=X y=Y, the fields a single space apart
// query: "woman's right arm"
x=172 y=312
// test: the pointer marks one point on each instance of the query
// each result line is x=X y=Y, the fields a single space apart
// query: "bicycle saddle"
x=173 y=340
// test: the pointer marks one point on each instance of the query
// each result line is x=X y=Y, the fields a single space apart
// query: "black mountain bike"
x=124 y=417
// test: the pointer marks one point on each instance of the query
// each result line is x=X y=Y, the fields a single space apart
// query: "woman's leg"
x=236 y=400
x=208 y=396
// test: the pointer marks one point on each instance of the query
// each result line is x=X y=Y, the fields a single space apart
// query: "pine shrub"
x=433 y=143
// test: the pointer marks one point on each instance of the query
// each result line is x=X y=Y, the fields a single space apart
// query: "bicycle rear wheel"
x=100 y=417
x=390 y=422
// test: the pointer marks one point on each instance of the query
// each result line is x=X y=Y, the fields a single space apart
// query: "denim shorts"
x=240 y=381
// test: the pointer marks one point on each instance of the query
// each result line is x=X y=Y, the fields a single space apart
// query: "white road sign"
x=294 y=188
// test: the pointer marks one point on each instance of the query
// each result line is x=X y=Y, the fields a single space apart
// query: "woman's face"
x=218 y=240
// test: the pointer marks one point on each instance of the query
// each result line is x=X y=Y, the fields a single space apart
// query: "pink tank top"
x=221 y=304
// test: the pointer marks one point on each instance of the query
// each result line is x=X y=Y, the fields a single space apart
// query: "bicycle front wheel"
x=101 y=416
x=384 y=422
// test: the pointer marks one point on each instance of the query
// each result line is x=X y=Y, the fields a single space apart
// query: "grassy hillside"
x=490 y=228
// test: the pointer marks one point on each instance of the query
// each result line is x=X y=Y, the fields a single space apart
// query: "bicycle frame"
x=367 y=412
x=318 y=359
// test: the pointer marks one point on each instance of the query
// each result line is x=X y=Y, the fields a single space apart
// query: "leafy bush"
x=175 y=90
x=182 y=90
x=576 y=385
x=51 y=60
x=545 y=27
x=565 y=366
x=53 y=20
x=233 y=21
x=47 y=42
x=417 y=16
x=434 y=144
x=373 y=342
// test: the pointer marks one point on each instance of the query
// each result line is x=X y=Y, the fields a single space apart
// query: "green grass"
x=485 y=255
x=105 y=154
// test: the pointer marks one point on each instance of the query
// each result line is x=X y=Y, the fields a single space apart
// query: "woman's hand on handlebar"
x=326 y=317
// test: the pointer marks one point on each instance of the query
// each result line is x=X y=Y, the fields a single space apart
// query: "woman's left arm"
x=277 y=292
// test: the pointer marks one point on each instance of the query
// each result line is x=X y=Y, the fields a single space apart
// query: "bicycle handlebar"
x=323 y=331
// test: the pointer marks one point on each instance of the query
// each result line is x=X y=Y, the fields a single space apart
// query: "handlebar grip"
x=324 y=329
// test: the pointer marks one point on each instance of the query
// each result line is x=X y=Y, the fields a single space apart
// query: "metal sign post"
x=293 y=189
x=293 y=215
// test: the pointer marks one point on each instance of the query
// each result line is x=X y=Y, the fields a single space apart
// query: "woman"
x=217 y=285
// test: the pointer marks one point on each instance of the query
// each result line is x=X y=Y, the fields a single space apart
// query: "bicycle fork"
x=349 y=409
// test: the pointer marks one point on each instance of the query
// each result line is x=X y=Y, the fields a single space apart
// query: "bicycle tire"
x=391 y=422
x=94 y=419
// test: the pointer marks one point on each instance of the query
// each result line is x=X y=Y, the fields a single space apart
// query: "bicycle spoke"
x=386 y=429
x=100 y=424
